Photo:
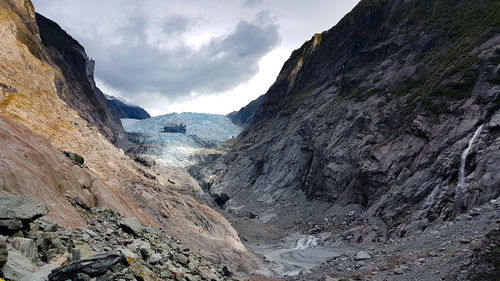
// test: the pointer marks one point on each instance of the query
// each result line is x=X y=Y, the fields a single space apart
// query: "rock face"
x=122 y=109
x=244 y=116
x=39 y=119
x=78 y=89
x=377 y=111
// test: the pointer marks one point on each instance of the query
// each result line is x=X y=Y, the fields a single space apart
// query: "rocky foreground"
x=111 y=248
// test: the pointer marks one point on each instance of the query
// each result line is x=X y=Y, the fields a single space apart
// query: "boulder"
x=131 y=226
x=18 y=211
x=362 y=255
x=10 y=225
x=24 y=246
x=17 y=266
x=94 y=266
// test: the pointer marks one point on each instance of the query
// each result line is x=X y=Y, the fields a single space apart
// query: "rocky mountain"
x=58 y=137
x=123 y=109
x=244 y=116
x=78 y=88
x=383 y=114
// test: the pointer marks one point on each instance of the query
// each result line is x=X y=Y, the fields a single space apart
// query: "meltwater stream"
x=295 y=254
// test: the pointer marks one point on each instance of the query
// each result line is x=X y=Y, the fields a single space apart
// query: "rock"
x=24 y=246
x=143 y=273
x=226 y=271
x=398 y=271
x=3 y=251
x=182 y=259
x=155 y=258
x=93 y=266
x=145 y=249
x=75 y=158
x=362 y=255
x=131 y=226
x=130 y=256
x=464 y=240
x=17 y=266
x=22 y=208
x=10 y=225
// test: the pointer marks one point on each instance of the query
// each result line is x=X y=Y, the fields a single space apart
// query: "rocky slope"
x=375 y=113
x=123 y=109
x=110 y=248
x=244 y=116
x=36 y=91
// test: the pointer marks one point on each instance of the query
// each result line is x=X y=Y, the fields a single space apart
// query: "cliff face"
x=121 y=109
x=77 y=88
x=46 y=102
x=244 y=116
x=377 y=111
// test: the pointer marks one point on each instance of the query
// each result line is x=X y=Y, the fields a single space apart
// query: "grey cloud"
x=252 y=2
x=176 y=24
x=134 y=66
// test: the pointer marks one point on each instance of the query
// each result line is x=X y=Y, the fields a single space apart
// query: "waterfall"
x=461 y=173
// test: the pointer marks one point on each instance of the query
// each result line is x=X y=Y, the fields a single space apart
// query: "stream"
x=294 y=254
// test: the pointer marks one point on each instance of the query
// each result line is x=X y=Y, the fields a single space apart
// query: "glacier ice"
x=174 y=149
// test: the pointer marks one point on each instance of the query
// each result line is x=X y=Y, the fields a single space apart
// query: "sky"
x=191 y=56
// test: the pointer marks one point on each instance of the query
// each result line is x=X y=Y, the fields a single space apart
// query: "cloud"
x=142 y=54
x=134 y=65
x=166 y=54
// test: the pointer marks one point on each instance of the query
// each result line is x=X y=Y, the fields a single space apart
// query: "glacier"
x=203 y=131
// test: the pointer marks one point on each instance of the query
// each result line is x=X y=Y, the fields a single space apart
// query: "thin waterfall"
x=461 y=173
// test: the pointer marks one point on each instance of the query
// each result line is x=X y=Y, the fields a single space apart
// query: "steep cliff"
x=244 y=116
x=78 y=88
x=47 y=90
x=377 y=112
x=122 y=109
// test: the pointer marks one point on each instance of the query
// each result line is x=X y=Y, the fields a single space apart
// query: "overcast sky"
x=197 y=55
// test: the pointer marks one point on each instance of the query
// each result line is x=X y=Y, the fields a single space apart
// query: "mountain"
x=244 y=116
x=123 y=109
x=78 y=88
x=58 y=142
x=385 y=111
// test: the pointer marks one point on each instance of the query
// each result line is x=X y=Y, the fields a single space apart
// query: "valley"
x=375 y=155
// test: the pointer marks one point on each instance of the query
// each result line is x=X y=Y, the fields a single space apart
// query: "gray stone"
x=17 y=266
x=21 y=208
x=93 y=266
x=182 y=259
x=24 y=246
x=10 y=225
x=362 y=255
x=131 y=226
x=145 y=249
x=155 y=258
